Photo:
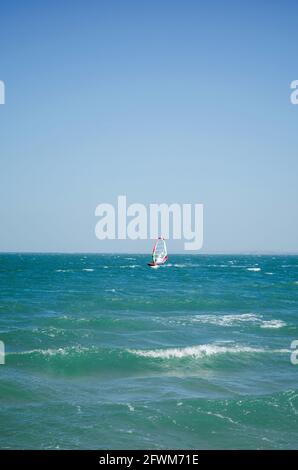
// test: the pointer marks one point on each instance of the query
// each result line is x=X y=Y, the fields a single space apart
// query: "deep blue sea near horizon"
x=103 y=352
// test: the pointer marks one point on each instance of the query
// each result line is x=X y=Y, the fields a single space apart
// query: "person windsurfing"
x=159 y=253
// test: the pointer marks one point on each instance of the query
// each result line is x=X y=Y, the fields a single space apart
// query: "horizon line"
x=227 y=253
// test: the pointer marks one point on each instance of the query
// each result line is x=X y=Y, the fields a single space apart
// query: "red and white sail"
x=159 y=253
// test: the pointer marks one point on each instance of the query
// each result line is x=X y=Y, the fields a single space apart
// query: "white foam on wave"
x=51 y=352
x=202 y=350
x=180 y=265
x=230 y=320
x=238 y=266
x=254 y=269
x=196 y=352
x=273 y=324
x=132 y=266
x=218 y=415
x=51 y=331
x=218 y=266
x=88 y=269
x=44 y=352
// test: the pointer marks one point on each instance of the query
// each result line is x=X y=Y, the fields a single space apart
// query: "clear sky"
x=101 y=94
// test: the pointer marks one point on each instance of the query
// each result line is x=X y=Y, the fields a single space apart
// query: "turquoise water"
x=104 y=352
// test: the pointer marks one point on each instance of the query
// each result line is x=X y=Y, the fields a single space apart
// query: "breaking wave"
x=230 y=320
x=200 y=351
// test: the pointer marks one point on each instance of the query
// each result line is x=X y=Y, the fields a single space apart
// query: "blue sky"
x=101 y=93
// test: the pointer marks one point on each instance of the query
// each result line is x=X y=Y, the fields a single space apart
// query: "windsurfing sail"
x=159 y=253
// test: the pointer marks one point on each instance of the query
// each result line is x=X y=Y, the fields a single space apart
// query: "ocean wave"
x=200 y=351
x=80 y=360
x=50 y=351
x=243 y=415
x=273 y=324
x=107 y=322
x=180 y=265
x=130 y=266
x=63 y=270
x=196 y=351
x=253 y=269
x=239 y=266
x=230 y=320
x=218 y=266
x=51 y=332
x=88 y=269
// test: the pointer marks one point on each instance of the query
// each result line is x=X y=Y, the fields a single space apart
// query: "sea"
x=102 y=352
